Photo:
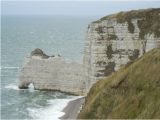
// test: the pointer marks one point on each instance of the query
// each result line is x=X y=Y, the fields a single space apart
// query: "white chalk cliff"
x=52 y=73
x=114 y=40
x=111 y=42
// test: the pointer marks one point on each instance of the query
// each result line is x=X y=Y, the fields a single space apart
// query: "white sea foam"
x=12 y=86
x=15 y=87
x=11 y=67
x=31 y=87
x=53 y=111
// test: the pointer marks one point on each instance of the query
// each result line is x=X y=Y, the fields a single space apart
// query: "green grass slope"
x=131 y=92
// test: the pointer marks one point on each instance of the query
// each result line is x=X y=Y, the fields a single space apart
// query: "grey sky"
x=72 y=8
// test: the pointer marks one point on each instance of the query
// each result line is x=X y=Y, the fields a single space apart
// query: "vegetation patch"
x=108 y=69
x=134 y=55
x=99 y=63
x=119 y=51
x=133 y=92
x=100 y=30
x=112 y=37
x=109 y=51
x=39 y=52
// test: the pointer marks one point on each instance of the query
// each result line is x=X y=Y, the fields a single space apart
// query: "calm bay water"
x=22 y=34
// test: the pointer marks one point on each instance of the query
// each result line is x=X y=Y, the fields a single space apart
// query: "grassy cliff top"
x=141 y=13
x=148 y=20
x=131 y=92
x=133 y=14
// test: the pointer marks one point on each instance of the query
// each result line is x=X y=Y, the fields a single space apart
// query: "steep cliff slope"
x=131 y=92
x=116 y=39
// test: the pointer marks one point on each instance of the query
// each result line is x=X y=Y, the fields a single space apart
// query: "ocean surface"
x=64 y=35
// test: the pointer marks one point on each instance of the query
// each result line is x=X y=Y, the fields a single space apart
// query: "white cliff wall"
x=53 y=73
x=110 y=45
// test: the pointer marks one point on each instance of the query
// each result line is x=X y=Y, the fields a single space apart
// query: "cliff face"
x=114 y=40
x=52 y=73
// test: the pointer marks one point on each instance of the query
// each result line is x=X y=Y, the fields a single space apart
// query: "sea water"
x=64 y=35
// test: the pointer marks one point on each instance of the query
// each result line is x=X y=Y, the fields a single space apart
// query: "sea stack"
x=52 y=73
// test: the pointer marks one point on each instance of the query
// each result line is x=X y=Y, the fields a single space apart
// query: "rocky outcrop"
x=40 y=53
x=114 y=40
x=52 y=73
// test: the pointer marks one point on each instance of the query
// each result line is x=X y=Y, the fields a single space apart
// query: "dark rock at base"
x=52 y=56
x=23 y=85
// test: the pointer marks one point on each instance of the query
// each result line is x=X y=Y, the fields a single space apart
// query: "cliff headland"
x=111 y=43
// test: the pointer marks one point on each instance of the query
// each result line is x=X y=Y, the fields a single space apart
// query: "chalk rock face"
x=52 y=73
x=116 y=39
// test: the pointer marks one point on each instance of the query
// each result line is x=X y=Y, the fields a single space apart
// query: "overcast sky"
x=79 y=8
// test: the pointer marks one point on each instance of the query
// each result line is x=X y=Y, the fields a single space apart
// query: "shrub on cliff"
x=39 y=52
x=131 y=92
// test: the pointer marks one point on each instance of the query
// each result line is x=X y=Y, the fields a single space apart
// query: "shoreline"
x=72 y=109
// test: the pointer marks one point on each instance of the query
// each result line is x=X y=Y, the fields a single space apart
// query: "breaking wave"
x=12 y=87
x=53 y=111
